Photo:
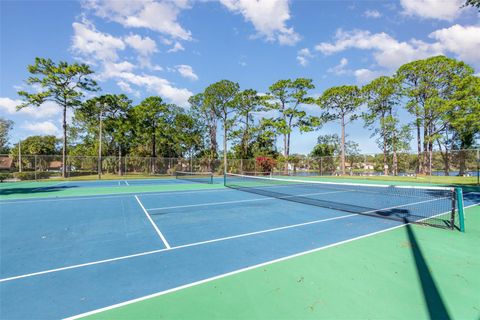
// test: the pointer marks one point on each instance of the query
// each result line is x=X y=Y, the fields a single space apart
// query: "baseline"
x=114 y=195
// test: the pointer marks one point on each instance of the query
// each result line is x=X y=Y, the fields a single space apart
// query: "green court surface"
x=32 y=190
x=69 y=187
x=411 y=272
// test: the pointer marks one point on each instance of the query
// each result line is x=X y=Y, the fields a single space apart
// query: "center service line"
x=160 y=234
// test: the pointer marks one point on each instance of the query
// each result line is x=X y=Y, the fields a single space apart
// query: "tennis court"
x=69 y=253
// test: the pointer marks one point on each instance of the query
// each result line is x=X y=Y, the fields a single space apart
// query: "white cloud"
x=268 y=17
x=127 y=88
x=88 y=43
x=47 y=109
x=186 y=71
x=243 y=61
x=42 y=127
x=145 y=46
x=176 y=47
x=364 y=76
x=372 y=14
x=303 y=56
x=432 y=9
x=112 y=70
x=149 y=14
x=157 y=85
x=462 y=41
x=94 y=45
x=124 y=86
x=340 y=68
x=91 y=45
x=125 y=79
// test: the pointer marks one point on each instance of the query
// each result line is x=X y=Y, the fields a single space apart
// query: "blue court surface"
x=63 y=257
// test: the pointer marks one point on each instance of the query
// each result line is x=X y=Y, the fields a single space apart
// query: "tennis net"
x=436 y=206
x=200 y=177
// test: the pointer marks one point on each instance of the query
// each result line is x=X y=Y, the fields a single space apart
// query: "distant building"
x=55 y=165
x=6 y=163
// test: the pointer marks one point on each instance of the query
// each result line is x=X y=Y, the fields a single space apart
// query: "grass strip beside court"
x=412 y=272
x=400 y=180
x=35 y=190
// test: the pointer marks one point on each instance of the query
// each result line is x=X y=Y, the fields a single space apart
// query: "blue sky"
x=176 y=48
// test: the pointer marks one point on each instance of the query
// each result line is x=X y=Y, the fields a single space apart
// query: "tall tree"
x=187 y=135
x=428 y=84
x=37 y=145
x=472 y=3
x=247 y=103
x=463 y=118
x=327 y=146
x=205 y=115
x=62 y=83
x=381 y=96
x=113 y=110
x=220 y=97
x=263 y=142
x=5 y=127
x=397 y=139
x=340 y=103
x=149 y=116
x=286 y=97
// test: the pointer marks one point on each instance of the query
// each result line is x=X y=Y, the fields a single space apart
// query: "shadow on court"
x=17 y=191
x=435 y=305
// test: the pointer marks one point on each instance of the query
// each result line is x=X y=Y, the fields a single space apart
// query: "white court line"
x=299 y=195
x=241 y=201
x=160 y=234
x=78 y=316
x=220 y=276
x=178 y=247
x=338 y=186
x=120 y=195
x=126 y=182
x=172 y=248
x=316 y=182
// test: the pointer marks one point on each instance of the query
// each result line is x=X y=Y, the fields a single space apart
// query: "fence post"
x=125 y=165
x=430 y=163
x=35 y=166
x=478 y=167
x=321 y=166
x=20 y=156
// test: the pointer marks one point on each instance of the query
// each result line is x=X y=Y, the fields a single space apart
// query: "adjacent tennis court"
x=68 y=253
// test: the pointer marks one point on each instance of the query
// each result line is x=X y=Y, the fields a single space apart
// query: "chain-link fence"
x=33 y=167
x=461 y=163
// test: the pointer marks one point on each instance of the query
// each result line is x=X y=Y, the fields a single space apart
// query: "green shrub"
x=5 y=176
x=30 y=175
x=82 y=173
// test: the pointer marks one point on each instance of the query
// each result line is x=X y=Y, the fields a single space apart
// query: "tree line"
x=442 y=94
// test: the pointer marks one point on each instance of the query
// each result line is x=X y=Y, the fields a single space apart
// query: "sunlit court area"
x=239 y=159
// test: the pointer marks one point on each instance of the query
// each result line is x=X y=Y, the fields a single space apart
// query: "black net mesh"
x=200 y=177
x=426 y=205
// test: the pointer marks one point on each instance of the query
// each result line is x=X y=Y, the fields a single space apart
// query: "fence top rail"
x=303 y=157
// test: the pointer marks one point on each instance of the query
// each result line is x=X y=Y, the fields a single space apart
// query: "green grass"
x=408 y=273
x=111 y=176
x=40 y=189
x=450 y=180
x=107 y=176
